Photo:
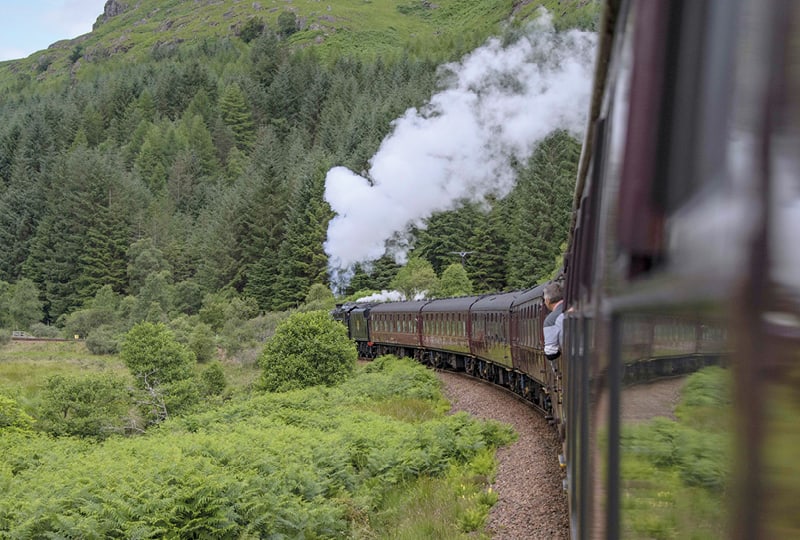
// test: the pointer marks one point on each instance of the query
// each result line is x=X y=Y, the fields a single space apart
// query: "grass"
x=454 y=506
x=24 y=366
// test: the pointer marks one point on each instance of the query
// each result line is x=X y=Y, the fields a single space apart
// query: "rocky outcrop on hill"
x=111 y=9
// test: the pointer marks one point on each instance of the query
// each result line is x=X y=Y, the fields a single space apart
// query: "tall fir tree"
x=264 y=217
x=489 y=243
x=236 y=114
x=446 y=236
x=542 y=202
x=302 y=260
x=23 y=201
x=79 y=245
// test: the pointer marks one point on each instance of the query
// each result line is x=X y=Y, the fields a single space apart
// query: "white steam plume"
x=500 y=102
x=383 y=296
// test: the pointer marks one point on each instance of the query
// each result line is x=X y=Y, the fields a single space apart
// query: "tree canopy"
x=202 y=172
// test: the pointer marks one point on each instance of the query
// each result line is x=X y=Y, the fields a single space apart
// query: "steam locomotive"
x=683 y=252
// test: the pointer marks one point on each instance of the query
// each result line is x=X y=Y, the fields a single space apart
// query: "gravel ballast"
x=532 y=502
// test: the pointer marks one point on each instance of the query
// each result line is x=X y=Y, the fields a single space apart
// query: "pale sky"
x=27 y=26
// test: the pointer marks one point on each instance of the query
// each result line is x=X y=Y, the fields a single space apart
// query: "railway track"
x=529 y=482
x=40 y=339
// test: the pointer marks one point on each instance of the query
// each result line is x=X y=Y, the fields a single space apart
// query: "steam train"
x=497 y=337
x=683 y=251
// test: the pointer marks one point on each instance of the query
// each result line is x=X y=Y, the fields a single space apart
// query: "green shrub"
x=319 y=297
x=12 y=417
x=676 y=473
x=154 y=356
x=251 y=29
x=103 y=340
x=201 y=343
x=5 y=336
x=213 y=378
x=84 y=406
x=162 y=368
x=181 y=396
x=287 y=23
x=313 y=463
x=308 y=349
x=44 y=330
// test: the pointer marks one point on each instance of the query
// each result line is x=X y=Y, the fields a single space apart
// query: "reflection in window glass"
x=676 y=427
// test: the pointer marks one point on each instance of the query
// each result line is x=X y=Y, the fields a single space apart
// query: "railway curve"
x=529 y=483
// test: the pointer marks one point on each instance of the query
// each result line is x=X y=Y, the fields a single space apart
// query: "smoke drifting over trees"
x=497 y=104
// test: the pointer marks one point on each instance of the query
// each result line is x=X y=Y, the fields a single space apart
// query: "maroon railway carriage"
x=540 y=381
x=489 y=338
x=396 y=327
x=446 y=330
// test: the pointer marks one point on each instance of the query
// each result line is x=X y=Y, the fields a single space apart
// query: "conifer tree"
x=302 y=260
x=237 y=115
x=264 y=215
x=446 y=236
x=486 y=265
x=542 y=202
x=23 y=201
x=103 y=261
x=265 y=57
x=80 y=242
x=151 y=160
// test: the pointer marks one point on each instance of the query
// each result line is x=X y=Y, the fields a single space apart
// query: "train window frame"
x=678 y=57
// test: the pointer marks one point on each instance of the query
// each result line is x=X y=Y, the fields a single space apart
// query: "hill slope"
x=132 y=30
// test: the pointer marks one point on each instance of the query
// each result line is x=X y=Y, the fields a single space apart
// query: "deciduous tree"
x=415 y=278
x=307 y=349
x=453 y=282
x=24 y=306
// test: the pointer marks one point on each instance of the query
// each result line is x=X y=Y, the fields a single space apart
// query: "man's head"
x=552 y=294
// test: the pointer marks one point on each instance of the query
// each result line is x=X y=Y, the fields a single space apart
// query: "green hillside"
x=133 y=31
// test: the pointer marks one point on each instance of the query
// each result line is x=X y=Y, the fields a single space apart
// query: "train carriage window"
x=677 y=124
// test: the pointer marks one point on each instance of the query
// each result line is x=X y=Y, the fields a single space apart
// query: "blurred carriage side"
x=683 y=253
